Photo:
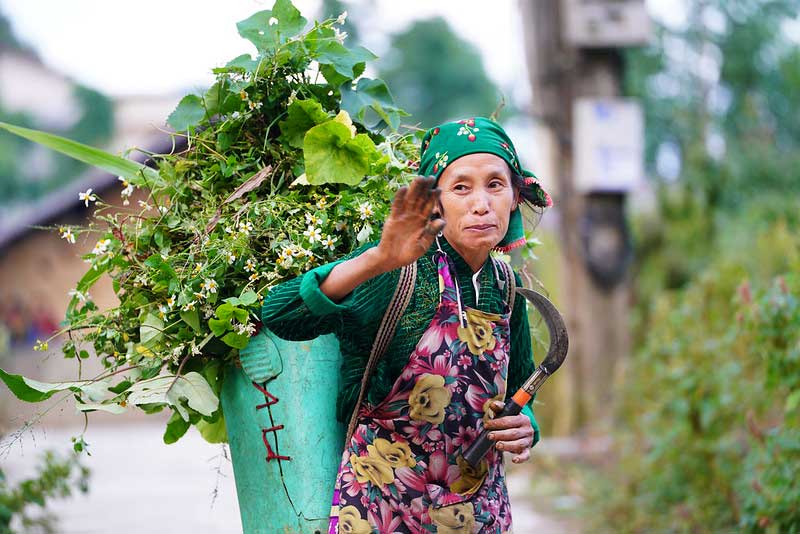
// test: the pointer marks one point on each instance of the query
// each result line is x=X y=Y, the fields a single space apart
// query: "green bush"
x=709 y=436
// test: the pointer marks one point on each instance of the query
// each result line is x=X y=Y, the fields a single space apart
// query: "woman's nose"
x=480 y=203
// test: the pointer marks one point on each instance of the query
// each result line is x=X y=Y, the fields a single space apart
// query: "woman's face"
x=477 y=201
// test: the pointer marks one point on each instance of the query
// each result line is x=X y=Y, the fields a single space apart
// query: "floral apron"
x=402 y=471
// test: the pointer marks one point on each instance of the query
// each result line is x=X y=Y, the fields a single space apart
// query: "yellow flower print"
x=372 y=469
x=454 y=519
x=471 y=477
x=478 y=333
x=351 y=522
x=394 y=454
x=488 y=413
x=428 y=399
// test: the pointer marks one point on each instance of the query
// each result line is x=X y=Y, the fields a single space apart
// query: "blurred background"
x=667 y=133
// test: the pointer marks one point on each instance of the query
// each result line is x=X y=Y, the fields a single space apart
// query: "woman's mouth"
x=480 y=227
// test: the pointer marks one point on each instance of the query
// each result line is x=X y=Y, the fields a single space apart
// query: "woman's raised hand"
x=409 y=231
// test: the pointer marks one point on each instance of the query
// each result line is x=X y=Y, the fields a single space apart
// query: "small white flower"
x=230 y=256
x=313 y=234
x=209 y=285
x=253 y=277
x=128 y=187
x=178 y=351
x=273 y=21
x=339 y=35
x=198 y=267
x=330 y=93
x=329 y=242
x=230 y=230
x=312 y=219
x=292 y=96
x=163 y=209
x=254 y=105
x=341 y=18
x=195 y=349
x=365 y=210
x=307 y=253
x=171 y=301
x=322 y=202
x=162 y=310
x=246 y=227
x=87 y=197
x=83 y=297
x=250 y=265
x=140 y=280
x=341 y=225
x=101 y=247
x=67 y=234
x=144 y=205
x=189 y=306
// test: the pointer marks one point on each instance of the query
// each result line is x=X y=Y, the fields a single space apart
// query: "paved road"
x=140 y=485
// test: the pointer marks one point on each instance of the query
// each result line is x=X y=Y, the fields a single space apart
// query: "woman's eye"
x=460 y=187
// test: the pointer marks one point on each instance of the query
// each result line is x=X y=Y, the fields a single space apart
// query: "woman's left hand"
x=512 y=433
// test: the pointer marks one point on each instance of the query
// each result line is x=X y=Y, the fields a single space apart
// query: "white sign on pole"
x=609 y=144
x=604 y=23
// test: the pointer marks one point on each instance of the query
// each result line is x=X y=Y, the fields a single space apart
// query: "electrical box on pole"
x=606 y=23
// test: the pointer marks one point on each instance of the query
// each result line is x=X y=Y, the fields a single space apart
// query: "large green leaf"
x=169 y=389
x=371 y=94
x=151 y=329
x=111 y=407
x=189 y=113
x=334 y=155
x=176 y=428
x=214 y=432
x=302 y=115
x=342 y=59
x=131 y=170
x=269 y=28
x=29 y=390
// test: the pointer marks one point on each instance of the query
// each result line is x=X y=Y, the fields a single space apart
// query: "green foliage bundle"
x=292 y=159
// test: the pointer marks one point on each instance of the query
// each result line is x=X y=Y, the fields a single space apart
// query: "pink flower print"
x=349 y=483
x=414 y=430
x=466 y=435
x=440 y=366
x=465 y=361
x=429 y=446
x=430 y=342
x=477 y=395
x=383 y=518
x=406 y=514
x=437 y=472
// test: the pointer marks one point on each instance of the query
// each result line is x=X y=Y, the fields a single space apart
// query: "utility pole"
x=576 y=68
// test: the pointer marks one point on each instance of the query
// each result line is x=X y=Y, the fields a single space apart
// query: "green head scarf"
x=447 y=142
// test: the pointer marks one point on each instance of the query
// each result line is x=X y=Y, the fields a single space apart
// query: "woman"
x=457 y=350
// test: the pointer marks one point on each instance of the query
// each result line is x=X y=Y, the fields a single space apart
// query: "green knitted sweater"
x=297 y=310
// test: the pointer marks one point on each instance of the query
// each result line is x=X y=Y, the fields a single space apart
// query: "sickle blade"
x=559 y=340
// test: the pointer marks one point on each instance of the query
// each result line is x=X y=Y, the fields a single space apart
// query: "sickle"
x=559 y=344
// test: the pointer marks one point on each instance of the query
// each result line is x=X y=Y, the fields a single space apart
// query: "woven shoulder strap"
x=398 y=305
x=510 y=281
